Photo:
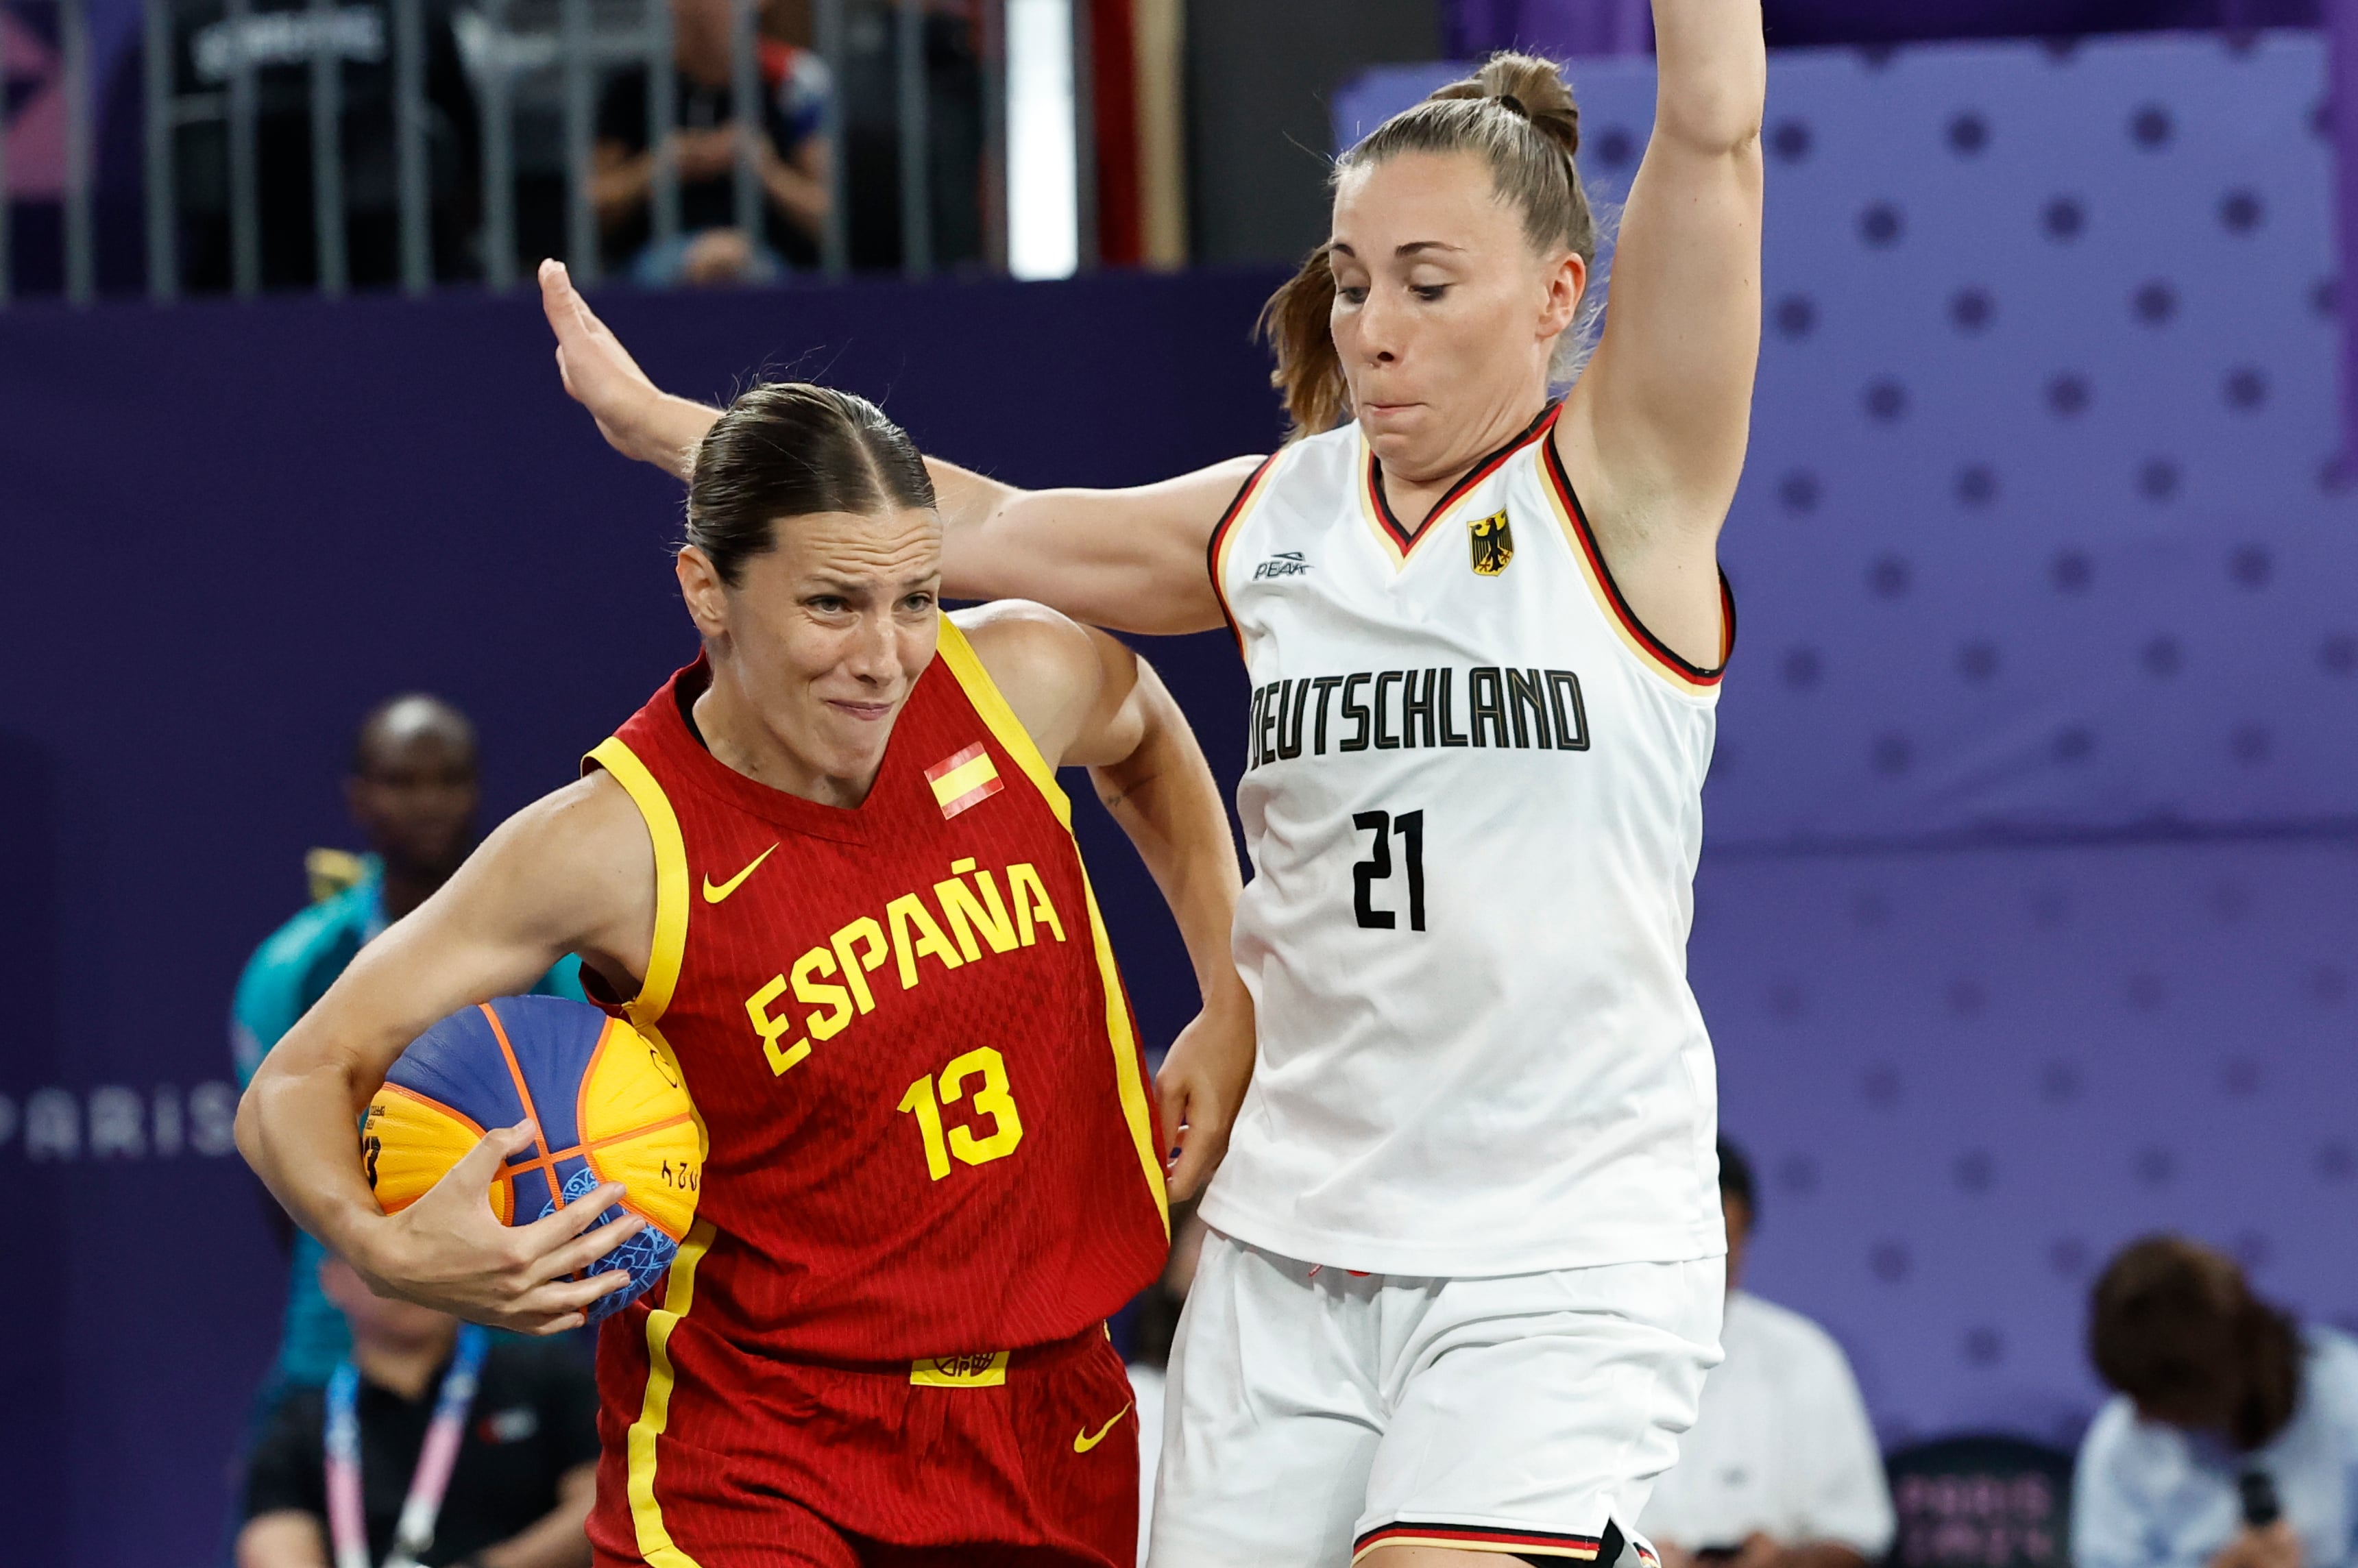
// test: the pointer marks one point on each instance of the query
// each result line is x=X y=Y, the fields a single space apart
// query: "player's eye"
x=1428 y=292
x=1355 y=293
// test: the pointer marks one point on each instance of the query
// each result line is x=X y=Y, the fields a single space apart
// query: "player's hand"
x=601 y=375
x=450 y=1251
x=1201 y=1086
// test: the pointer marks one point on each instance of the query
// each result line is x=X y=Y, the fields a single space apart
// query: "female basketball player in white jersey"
x=1465 y=1278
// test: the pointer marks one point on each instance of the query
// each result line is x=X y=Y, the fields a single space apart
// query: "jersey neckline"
x=1404 y=540
x=781 y=808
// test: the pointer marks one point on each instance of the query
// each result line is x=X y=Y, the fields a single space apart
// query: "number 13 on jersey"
x=991 y=1099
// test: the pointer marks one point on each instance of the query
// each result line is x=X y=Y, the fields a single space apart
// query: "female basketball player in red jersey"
x=1465 y=1273
x=829 y=868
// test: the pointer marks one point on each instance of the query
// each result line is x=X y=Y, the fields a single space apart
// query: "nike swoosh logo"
x=1085 y=1440
x=715 y=894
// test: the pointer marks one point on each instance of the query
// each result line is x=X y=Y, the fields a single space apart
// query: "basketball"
x=608 y=1104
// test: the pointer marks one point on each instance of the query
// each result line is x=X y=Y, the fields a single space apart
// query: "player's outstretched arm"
x=1664 y=408
x=1132 y=559
x=1089 y=701
x=574 y=872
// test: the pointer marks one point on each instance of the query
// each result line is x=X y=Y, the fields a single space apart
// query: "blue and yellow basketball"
x=609 y=1103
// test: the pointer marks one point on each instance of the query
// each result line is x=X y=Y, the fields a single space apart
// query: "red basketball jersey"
x=929 y=1139
x=928 y=1127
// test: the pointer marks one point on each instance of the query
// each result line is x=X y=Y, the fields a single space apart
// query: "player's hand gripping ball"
x=610 y=1105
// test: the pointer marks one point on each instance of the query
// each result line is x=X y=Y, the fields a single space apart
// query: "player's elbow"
x=1719 y=118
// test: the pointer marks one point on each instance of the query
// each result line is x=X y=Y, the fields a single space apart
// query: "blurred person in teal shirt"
x=413 y=791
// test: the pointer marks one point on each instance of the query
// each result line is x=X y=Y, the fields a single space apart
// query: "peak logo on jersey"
x=1286 y=563
x=1493 y=542
x=963 y=780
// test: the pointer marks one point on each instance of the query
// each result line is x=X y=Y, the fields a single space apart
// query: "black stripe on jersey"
x=1473 y=476
x=1220 y=532
x=1661 y=650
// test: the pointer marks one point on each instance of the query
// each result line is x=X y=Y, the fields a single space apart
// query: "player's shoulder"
x=1026 y=647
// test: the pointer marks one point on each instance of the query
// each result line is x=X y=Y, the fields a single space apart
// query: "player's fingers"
x=561 y=1296
x=592 y=1245
x=478 y=1166
x=1170 y=1099
x=551 y=1231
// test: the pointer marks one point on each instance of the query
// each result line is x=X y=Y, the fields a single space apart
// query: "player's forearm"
x=1165 y=798
x=1712 y=72
x=296 y=1126
x=668 y=431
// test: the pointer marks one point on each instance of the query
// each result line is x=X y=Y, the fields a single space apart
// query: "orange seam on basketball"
x=523 y=1097
x=451 y=1111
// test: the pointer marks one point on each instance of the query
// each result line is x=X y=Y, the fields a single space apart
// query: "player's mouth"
x=867 y=712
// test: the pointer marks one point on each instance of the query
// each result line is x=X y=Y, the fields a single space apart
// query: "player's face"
x=834 y=626
x=1445 y=318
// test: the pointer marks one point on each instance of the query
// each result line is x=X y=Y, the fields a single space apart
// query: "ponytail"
x=1295 y=323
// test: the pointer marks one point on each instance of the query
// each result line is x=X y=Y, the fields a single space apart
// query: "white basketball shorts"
x=1313 y=1415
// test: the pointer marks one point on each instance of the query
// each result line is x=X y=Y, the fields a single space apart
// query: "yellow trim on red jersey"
x=1005 y=728
x=655 y=1543
x=671 y=883
x=983 y=693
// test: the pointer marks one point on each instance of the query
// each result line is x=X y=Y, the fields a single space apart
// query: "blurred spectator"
x=791 y=155
x=277 y=37
x=527 y=1464
x=2232 y=1441
x=412 y=792
x=1157 y=1326
x=1781 y=1469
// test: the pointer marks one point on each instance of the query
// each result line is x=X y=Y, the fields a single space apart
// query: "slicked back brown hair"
x=1517 y=116
x=791 y=449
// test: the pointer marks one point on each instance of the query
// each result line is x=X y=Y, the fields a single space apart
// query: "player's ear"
x=701 y=587
x=1567 y=285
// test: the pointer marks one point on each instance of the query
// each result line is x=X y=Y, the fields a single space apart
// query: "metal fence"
x=533 y=71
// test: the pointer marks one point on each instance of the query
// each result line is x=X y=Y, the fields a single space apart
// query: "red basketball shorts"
x=1027 y=1459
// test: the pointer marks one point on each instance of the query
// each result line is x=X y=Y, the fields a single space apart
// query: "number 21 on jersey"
x=1408 y=827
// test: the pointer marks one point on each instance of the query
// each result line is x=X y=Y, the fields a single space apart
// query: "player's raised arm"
x=1132 y=560
x=572 y=874
x=1664 y=408
x=1088 y=700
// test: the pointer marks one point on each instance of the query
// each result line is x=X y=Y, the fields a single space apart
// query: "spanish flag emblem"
x=963 y=780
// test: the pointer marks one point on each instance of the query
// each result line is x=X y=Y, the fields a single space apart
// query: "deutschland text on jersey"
x=1472 y=798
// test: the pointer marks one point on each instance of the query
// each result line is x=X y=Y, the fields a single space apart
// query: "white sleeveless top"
x=1473 y=804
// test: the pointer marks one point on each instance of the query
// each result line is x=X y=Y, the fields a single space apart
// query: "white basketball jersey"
x=1472 y=803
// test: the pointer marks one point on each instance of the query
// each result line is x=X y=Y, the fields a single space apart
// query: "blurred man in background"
x=412 y=792
x=518 y=1493
x=2233 y=1438
x=1781 y=1469
x=790 y=158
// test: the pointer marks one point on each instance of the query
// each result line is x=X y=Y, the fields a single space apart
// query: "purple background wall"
x=2026 y=917
x=2026 y=923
